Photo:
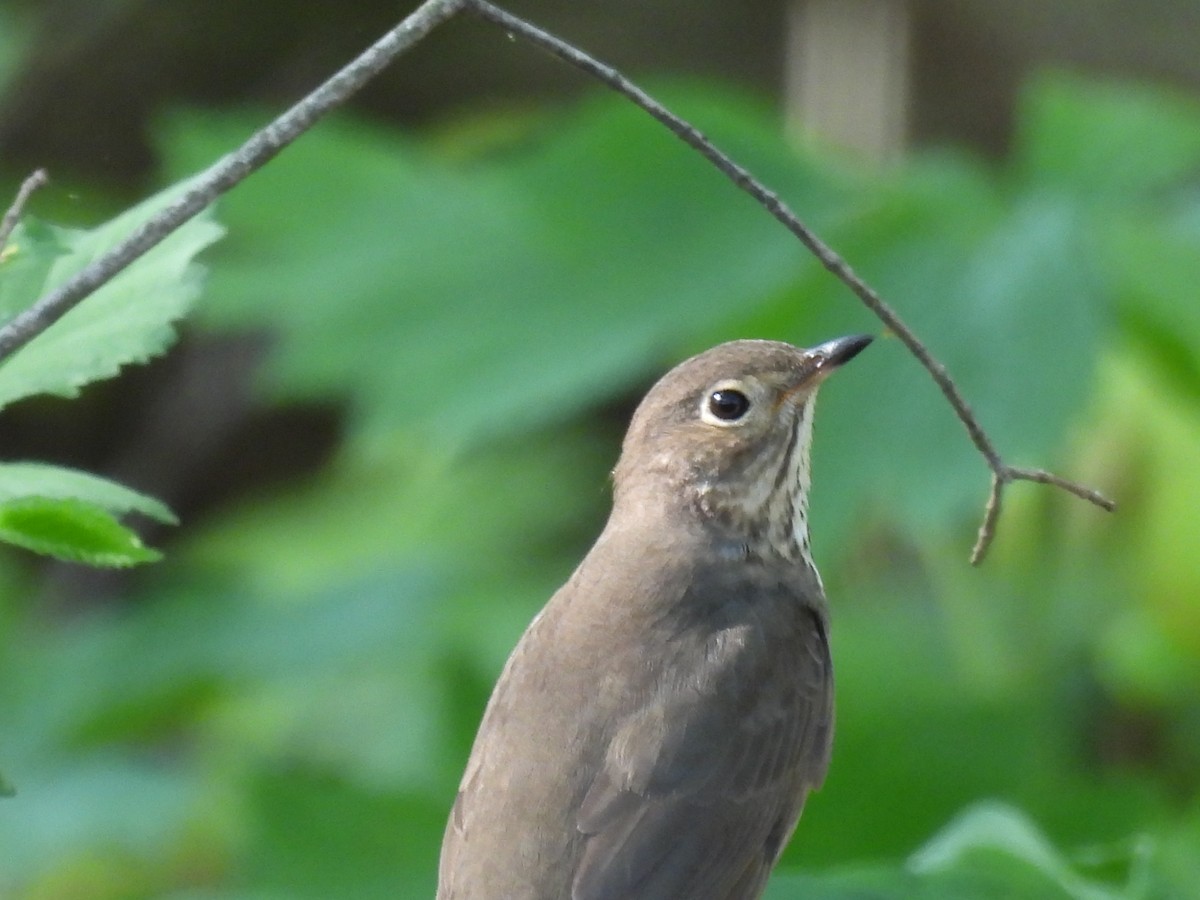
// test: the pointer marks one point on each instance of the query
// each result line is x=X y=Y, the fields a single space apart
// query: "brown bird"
x=659 y=725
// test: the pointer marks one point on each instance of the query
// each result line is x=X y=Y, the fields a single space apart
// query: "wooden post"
x=848 y=75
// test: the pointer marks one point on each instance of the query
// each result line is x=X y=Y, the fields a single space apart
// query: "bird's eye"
x=728 y=405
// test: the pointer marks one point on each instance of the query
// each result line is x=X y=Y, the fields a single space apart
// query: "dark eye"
x=728 y=405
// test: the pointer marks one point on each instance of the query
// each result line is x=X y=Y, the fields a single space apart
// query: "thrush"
x=658 y=727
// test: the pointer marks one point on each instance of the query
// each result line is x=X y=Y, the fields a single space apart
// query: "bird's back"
x=652 y=736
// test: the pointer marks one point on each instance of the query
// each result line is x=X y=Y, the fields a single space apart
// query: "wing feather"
x=703 y=783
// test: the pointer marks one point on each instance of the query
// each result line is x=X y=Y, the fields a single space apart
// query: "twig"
x=24 y=192
x=1002 y=473
x=1006 y=474
x=991 y=515
x=227 y=172
x=267 y=143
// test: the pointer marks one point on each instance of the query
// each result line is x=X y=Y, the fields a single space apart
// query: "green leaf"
x=31 y=479
x=73 y=531
x=128 y=320
x=25 y=263
x=990 y=852
x=1101 y=139
x=995 y=830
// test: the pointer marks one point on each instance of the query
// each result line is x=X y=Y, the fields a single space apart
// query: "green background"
x=461 y=316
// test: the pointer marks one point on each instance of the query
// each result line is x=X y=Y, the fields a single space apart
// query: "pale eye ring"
x=728 y=404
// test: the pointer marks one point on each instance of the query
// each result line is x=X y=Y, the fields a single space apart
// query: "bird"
x=660 y=724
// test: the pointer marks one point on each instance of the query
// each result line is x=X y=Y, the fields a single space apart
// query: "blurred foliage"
x=282 y=708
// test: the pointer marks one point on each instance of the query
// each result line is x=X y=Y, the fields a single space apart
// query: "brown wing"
x=702 y=786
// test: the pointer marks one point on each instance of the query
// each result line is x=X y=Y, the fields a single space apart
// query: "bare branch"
x=770 y=201
x=991 y=515
x=1043 y=477
x=766 y=198
x=24 y=192
x=263 y=146
x=267 y=143
x=1002 y=477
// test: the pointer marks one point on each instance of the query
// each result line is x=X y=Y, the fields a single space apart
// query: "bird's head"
x=725 y=436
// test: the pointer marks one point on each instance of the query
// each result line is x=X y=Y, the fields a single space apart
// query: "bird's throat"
x=765 y=510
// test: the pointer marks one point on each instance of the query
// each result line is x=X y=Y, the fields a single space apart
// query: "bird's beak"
x=833 y=354
x=823 y=360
